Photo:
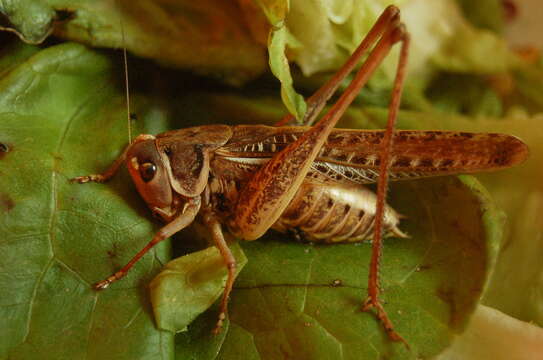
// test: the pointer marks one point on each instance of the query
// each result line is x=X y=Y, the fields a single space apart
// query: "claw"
x=373 y=303
x=102 y=284
x=88 y=178
x=80 y=179
x=218 y=328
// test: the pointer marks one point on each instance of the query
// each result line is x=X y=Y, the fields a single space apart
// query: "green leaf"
x=441 y=39
x=280 y=68
x=296 y=309
x=199 y=342
x=468 y=52
x=189 y=285
x=487 y=14
x=63 y=115
x=466 y=94
x=514 y=287
x=31 y=20
x=275 y=10
x=529 y=84
x=484 y=338
x=204 y=36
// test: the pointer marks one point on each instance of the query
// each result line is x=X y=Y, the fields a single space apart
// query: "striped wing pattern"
x=354 y=155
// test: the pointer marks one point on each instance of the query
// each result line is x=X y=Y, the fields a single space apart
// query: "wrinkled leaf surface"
x=63 y=116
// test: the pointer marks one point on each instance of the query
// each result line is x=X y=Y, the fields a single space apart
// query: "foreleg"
x=179 y=223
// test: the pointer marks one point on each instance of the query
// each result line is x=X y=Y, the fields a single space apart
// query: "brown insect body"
x=330 y=206
x=309 y=179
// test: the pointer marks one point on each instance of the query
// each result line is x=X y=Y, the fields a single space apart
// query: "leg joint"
x=392 y=11
x=399 y=33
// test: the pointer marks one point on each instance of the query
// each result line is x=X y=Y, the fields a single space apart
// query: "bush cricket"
x=307 y=179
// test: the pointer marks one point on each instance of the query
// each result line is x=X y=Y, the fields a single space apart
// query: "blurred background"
x=474 y=66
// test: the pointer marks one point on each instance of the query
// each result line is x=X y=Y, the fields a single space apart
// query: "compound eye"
x=147 y=171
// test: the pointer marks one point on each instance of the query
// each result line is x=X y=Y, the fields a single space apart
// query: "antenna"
x=125 y=58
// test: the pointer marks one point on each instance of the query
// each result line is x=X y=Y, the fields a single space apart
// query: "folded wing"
x=354 y=155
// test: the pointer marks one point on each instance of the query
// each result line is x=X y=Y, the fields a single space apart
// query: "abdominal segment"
x=335 y=213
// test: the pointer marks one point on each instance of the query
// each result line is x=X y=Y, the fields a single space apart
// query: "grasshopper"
x=305 y=179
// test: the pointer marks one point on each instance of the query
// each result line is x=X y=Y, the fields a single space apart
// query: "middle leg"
x=229 y=261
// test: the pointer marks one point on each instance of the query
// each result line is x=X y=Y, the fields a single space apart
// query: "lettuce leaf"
x=485 y=336
x=58 y=238
x=204 y=36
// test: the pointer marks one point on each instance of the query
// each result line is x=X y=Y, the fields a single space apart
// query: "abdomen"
x=335 y=213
